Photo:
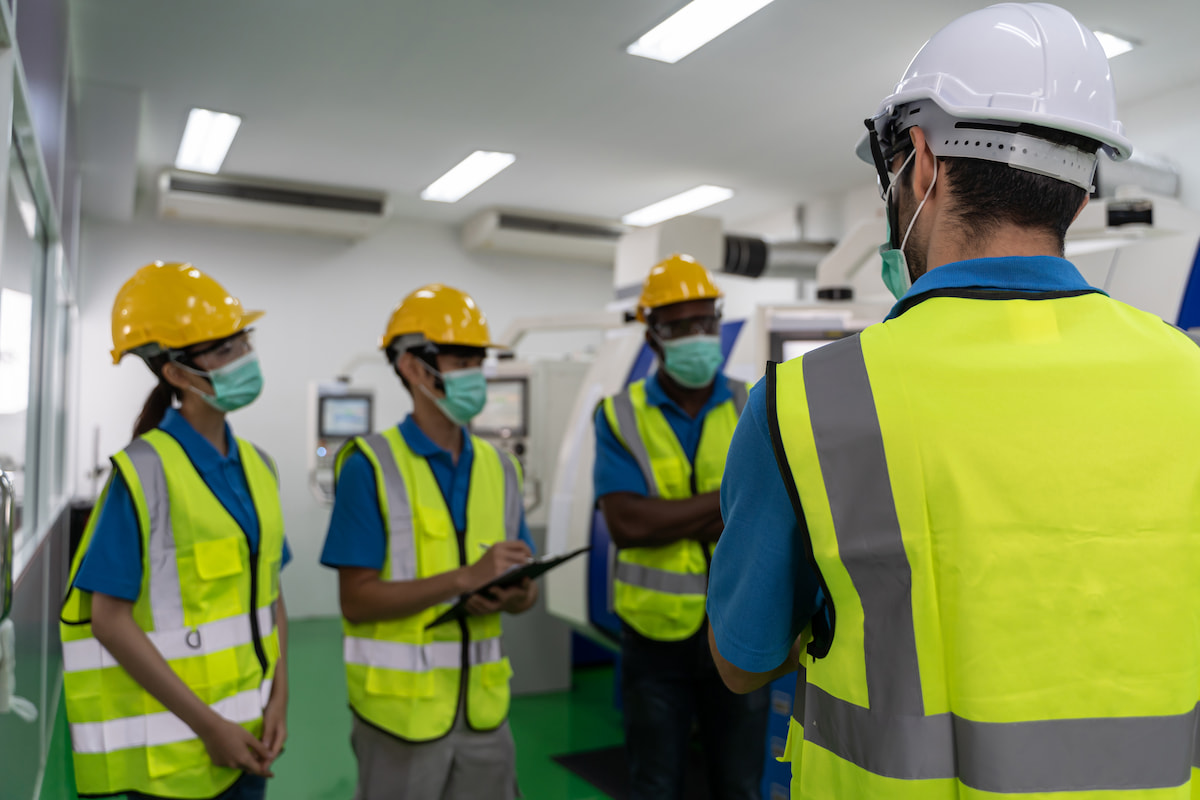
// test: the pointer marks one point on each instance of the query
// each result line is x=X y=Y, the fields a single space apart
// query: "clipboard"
x=533 y=569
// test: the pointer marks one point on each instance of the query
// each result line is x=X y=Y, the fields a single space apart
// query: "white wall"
x=327 y=301
x=1169 y=126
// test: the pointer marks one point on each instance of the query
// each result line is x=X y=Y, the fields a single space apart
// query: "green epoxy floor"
x=318 y=763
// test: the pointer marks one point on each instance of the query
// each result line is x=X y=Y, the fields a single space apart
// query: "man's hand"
x=513 y=599
x=499 y=559
x=275 y=722
x=231 y=745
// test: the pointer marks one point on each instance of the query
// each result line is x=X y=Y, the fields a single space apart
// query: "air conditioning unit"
x=551 y=235
x=276 y=205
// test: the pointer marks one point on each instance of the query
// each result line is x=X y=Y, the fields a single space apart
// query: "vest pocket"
x=218 y=558
x=397 y=683
x=495 y=673
x=168 y=759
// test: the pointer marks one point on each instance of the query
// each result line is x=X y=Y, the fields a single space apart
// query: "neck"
x=947 y=244
x=437 y=426
x=207 y=421
x=690 y=400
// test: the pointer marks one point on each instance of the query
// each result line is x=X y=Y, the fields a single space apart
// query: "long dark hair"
x=159 y=401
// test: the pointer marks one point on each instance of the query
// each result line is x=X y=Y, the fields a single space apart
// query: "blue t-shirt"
x=616 y=470
x=759 y=569
x=113 y=562
x=357 y=536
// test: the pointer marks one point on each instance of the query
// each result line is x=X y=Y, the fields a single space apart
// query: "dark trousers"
x=247 y=787
x=667 y=686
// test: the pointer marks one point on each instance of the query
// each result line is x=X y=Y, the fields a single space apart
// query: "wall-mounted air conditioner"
x=277 y=205
x=539 y=234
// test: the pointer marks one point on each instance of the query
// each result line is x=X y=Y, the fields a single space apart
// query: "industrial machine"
x=337 y=412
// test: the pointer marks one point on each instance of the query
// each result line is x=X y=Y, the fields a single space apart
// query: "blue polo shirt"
x=616 y=470
x=759 y=569
x=113 y=563
x=357 y=537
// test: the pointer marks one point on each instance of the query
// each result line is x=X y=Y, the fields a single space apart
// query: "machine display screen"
x=345 y=416
x=786 y=345
x=504 y=413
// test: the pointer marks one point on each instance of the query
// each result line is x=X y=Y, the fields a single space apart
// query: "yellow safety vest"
x=403 y=678
x=1002 y=499
x=207 y=605
x=660 y=591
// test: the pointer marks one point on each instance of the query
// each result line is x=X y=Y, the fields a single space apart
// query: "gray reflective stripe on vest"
x=1058 y=755
x=740 y=395
x=894 y=737
x=400 y=521
x=270 y=462
x=82 y=655
x=166 y=596
x=660 y=580
x=163 y=727
x=384 y=654
x=512 y=497
x=627 y=422
x=849 y=447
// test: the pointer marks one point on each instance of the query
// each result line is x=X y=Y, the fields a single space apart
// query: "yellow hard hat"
x=677 y=279
x=443 y=315
x=174 y=305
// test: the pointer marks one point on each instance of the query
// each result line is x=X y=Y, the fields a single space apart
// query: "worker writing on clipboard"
x=423 y=513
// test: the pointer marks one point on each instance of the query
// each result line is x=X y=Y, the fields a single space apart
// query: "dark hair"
x=988 y=194
x=428 y=352
x=159 y=401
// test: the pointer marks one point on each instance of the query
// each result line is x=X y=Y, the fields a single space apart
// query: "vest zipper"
x=464 y=653
x=695 y=491
x=255 y=632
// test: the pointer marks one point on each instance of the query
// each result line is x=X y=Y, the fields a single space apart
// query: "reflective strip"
x=1116 y=753
x=270 y=462
x=163 y=727
x=740 y=395
x=661 y=580
x=213 y=637
x=400 y=522
x=418 y=658
x=166 y=596
x=627 y=422
x=513 y=502
x=893 y=737
x=854 y=469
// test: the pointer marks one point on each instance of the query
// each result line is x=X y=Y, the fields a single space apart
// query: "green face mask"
x=895 y=267
x=235 y=385
x=692 y=361
x=466 y=394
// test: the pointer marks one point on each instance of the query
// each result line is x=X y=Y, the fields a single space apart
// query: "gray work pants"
x=463 y=765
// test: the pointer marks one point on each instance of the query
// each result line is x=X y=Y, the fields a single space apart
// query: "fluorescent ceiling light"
x=691 y=200
x=467 y=176
x=692 y=27
x=206 y=140
x=1113 y=45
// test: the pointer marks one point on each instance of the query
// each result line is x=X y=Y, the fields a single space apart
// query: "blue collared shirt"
x=759 y=569
x=113 y=563
x=616 y=470
x=357 y=537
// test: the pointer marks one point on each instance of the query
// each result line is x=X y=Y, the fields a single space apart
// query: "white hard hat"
x=1010 y=64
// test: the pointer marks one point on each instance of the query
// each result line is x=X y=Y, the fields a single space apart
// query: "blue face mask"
x=235 y=385
x=692 y=361
x=466 y=394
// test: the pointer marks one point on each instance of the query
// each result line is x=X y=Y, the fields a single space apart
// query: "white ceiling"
x=389 y=94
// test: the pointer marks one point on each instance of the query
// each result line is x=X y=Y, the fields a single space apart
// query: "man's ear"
x=923 y=163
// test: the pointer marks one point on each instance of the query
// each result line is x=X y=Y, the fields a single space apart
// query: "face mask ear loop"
x=913 y=221
x=893 y=210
